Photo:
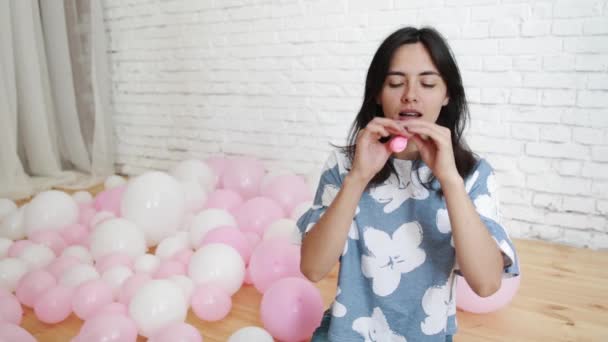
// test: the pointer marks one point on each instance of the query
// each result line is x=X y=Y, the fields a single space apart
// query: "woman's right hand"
x=371 y=154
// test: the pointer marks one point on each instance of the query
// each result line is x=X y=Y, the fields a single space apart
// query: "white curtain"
x=55 y=113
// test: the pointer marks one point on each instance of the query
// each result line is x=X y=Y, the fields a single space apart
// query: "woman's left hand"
x=434 y=143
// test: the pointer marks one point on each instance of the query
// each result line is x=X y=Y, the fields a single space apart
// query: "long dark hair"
x=454 y=115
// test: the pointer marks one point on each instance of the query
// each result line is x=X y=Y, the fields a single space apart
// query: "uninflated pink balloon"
x=467 y=300
x=257 y=214
x=10 y=310
x=54 y=305
x=288 y=191
x=32 y=285
x=291 y=309
x=272 y=260
x=109 y=200
x=108 y=327
x=91 y=296
x=244 y=176
x=12 y=332
x=232 y=237
x=49 y=238
x=398 y=144
x=224 y=199
x=177 y=332
x=211 y=303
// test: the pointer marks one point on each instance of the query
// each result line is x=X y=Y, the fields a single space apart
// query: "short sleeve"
x=329 y=185
x=481 y=187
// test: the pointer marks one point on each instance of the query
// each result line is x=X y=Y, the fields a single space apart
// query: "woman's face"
x=413 y=87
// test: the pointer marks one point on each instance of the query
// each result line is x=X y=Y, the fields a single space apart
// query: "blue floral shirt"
x=398 y=267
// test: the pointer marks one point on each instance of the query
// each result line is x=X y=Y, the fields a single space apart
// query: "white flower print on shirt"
x=437 y=303
x=376 y=328
x=338 y=309
x=409 y=187
x=353 y=233
x=390 y=257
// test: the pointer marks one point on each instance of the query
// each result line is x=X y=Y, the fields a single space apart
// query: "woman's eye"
x=426 y=85
x=395 y=85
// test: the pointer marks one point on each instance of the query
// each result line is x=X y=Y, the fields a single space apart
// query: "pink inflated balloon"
x=10 y=310
x=61 y=264
x=183 y=256
x=17 y=247
x=257 y=214
x=177 y=332
x=108 y=327
x=218 y=165
x=288 y=191
x=210 y=303
x=467 y=300
x=272 y=260
x=54 y=305
x=114 y=308
x=50 y=238
x=131 y=286
x=231 y=237
x=85 y=214
x=75 y=234
x=110 y=200
x=291 y=309
x=11 y=332
x=33 y=284
x=253 y=239
x=169 y=268
x=244 y=176
x=89 y=297
x=114 y=259
x=224 y=199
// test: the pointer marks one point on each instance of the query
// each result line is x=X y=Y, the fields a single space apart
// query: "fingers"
x=439 y=134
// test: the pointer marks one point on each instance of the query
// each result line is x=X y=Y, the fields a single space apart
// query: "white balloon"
x=300 y=209
x=185 y=284
x=194 y=195
x=282 y=228
x=5 y=244
x=115 y=277
x=197 y=171
x=37 y=256
x=207 y=220
x=114 y=181
x=78 y=252
x=147 y=263
x=251 y=334
x=11 y=271
x=12 y=226
x=117 y=235
x=100 y=217
x=171 y=245
x=78 y=274
x=156 y=304
x=7 y=206
x=220 y=264
x=155 y=202
x=50 y=210
x=82 y=197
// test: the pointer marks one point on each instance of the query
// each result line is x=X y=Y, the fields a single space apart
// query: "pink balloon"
x=288 y=191
x=32 y=285
x=90 y=297
x=17 y=247
x=247 y=279
x=253 y=239
x=110 y=200
x=108 y=327
x=75 y=234
x=113 y=259
x=257 y=214
x=54 y=305
x=224 y=199
x=131 y=286
x=114 y=308
x=218 y=165
x=12 y=332
x=272 y=260
x=61 y=264
x=10 y=310
x=183 y=256
x=231 y=237
x=49 y=238
x=244 y=176
x=467 y=300
x=86 y=213
x=291 y=309
x=210 y=303
x=169 y=268
x=177 y=332
x=4 y=292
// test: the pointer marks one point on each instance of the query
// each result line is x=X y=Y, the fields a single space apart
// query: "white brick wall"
x=280 y=79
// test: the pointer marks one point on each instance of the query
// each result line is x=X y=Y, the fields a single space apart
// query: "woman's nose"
x=409 y=93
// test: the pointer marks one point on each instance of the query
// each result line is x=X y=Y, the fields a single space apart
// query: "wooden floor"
x=563 y=297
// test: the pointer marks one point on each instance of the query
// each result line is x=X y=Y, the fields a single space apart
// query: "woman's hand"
x=434 y=143
x=370 y=154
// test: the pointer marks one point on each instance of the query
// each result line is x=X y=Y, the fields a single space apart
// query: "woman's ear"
x=446 y=101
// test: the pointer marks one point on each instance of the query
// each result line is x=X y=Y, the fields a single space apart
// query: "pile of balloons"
x=136 y=257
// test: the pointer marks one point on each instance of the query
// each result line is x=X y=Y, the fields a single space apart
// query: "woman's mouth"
x=409 y=115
